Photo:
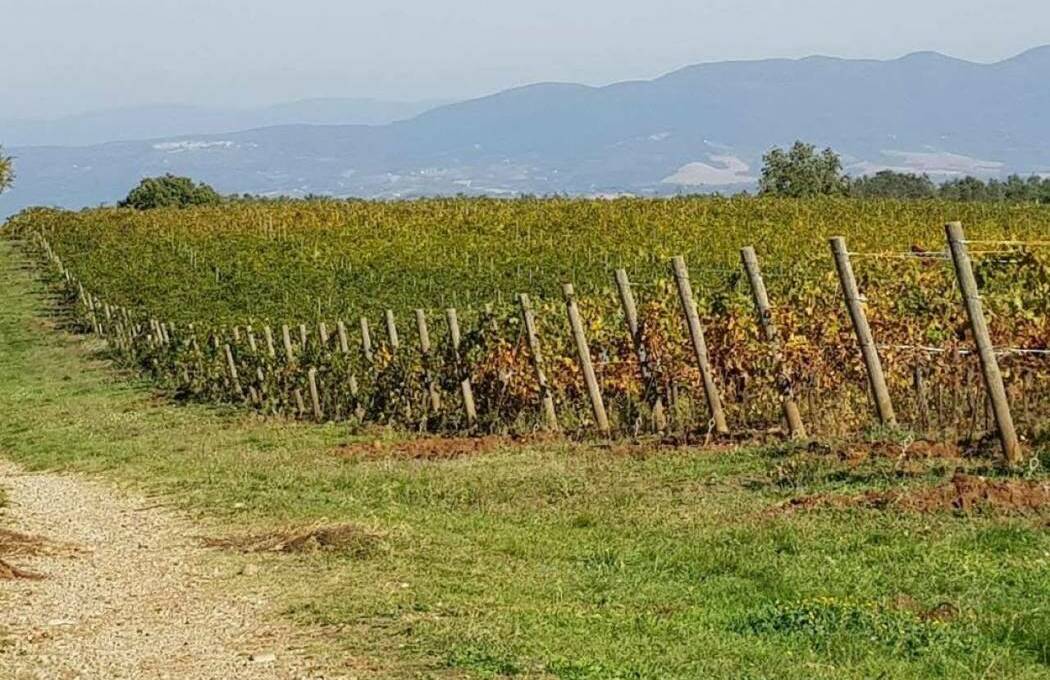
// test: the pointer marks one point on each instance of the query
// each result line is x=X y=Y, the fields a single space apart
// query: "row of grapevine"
x=645 y=369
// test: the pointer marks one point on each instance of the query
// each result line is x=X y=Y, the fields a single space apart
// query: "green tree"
x=890 y=184
x=968 y=189
x=802 y=172
x=169 y=191
x=7 y=172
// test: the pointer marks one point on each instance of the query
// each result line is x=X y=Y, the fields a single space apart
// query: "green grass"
x=557 y=560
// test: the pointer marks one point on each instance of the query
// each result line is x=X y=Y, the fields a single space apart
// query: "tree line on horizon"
x=803 y=172
x=799 y=172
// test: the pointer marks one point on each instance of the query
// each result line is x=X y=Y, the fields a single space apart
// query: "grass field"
x=551 y=559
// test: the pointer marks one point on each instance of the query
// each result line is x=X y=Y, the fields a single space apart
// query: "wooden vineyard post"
x=299 y=405
x=322 y=334
x=315 y=397
x=231 y=366
x=289 y=361
x=96 y=327
x=366 y=340
x=765 y=320
x=536 y=355
x=344 y=340
x=251 y=340
x=601 y=419
x=391 y=331
x=870 y=353
x=395 y=347
x=271 y=351
x=630 y=313
x=302 y=337
x=424 y=348
x=993 y=379
x=344 y=348
x=696 y=334
x=464 y=376
x=286 y=337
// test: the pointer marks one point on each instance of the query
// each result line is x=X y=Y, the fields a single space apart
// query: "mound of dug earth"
x=963 y=494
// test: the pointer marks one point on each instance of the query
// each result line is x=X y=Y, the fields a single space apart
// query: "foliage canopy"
x=170 y=191
x=801 y=172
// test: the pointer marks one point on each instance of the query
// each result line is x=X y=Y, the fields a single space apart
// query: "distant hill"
x=701 y=128
x=152 y=122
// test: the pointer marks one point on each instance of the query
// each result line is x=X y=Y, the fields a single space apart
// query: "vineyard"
x=410 y=313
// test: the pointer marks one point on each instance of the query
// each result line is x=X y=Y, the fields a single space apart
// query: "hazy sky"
x=67 y=56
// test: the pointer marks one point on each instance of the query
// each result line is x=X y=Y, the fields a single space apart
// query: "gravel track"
x=129 y=594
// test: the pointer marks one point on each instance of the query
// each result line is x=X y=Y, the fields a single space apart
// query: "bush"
x=169 y=191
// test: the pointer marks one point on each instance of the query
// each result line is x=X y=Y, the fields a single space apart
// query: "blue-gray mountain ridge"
x=701 y=128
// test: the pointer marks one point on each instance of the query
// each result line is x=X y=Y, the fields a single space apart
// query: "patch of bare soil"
x=346 y=538
x=941 y=612
x=128 y=593
x=917 y=451
x=9 y=572
x=14 y=544
x=965 y=494
x=427 y=448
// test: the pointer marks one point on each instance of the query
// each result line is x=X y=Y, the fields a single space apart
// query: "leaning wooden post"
x=391 y=331
x=231 y=366
x=584 y=352
x=315 y=396
x=993 y=379
x=462 y=373
x=302 y=337
x=536 y=355
x=322 y=334
x=344 y=340
x=271 y=351
x=286 y=337
x=765 y=320
x=696 y=334
x=366 y=340
x=634 y=327
x=872 y=363
x=424 y=348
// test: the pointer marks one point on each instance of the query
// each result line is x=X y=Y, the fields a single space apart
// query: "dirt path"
x=128 y=593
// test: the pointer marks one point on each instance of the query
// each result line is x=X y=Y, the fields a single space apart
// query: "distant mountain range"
x=166 y=120
x=701 y=128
